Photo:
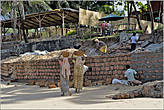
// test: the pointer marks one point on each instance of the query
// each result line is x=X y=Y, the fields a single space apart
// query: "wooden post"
x=27 y=32
x=37 y=33
x=49 y=31
x=56 y=30
x=40 y=25
x=4 y=29
x=19 y=30
x=62 y=20
x=62 y=24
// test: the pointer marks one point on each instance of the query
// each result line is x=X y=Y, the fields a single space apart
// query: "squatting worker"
x=100 y=45
x=130 y=75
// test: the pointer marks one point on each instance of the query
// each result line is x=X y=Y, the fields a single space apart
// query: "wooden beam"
x=54 y=18
x=72 y=16
x=36 y=24
x=49 y=22
x=29 y=24
x=61 y=17
x=57 y=22
x=47 y=25
x=30 y=21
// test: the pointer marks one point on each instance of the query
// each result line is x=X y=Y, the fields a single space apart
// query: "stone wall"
x=16 y=48
x=148 y=64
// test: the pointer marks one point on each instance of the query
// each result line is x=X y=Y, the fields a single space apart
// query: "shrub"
x=71 y=32
x=136 y=31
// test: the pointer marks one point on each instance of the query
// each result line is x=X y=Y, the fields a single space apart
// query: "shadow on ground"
x=94 y=96
x=89 y=95
x=26 y=93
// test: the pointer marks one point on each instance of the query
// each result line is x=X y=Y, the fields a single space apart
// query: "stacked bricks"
x=148 y=64
x=38 y=70
x=104 y=67
x=5 y=68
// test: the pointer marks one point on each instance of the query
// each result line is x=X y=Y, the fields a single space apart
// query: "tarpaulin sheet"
x=91 y=18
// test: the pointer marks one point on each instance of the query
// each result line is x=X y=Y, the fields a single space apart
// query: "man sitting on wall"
x=130 y=75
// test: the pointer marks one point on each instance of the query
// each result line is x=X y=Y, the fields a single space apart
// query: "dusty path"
x=33 y=97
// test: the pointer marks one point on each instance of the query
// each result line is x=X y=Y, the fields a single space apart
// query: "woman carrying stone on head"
x=64 y=74
x=78 y=71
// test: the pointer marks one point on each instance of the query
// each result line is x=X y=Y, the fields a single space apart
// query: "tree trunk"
x=128 y=16
x=129 y=12
x=152 y=20
x=27 y=32
x=14 y=17
x=160 y=10
x=49 y=32
x=138 y=20
x=22 y=25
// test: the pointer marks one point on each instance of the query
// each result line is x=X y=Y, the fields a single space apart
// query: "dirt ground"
x=24 y=96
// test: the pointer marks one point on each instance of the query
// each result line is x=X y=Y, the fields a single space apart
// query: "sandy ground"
x=24 y=96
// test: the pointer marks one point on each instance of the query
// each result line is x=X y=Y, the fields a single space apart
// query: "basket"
x=65 y=54
x=79 y=53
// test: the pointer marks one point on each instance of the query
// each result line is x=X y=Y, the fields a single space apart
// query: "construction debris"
x=154 y=47
x=150 y=89
x=144 y=43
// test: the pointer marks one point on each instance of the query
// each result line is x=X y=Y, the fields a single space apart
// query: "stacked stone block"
x=148 y=64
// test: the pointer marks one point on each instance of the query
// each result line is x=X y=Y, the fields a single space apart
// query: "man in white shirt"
x=133 y=42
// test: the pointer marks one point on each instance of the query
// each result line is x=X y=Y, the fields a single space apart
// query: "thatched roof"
x=50 y=18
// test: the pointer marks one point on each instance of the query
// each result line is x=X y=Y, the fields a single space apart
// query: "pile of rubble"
x=150 y=89
x=145 y=43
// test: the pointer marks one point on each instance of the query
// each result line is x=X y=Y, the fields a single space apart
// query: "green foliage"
x=96 y=37
x=126 y=6
x=159 y=27
x=136 y=31
x=29 y=6
x=44 y=34
x=87 y=35
x=106 y=9
x=5 y=6
x=120 y=13
x=142 y=7
x=71 y=32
